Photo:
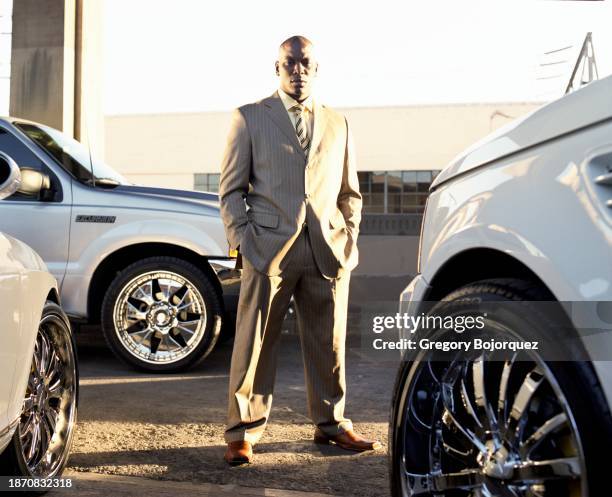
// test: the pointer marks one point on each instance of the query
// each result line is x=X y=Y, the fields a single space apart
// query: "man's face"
x=296 y=69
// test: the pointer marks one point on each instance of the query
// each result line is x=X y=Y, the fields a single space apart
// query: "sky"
x=194 y=55
x=164 y=56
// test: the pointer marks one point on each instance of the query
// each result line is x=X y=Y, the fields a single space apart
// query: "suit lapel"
x=277 y=112
x=320 y=123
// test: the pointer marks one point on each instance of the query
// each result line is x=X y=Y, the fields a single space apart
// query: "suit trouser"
x=321 y=307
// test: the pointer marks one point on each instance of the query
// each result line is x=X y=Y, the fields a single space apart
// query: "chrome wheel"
x=160 y=317
x=49 y=408
x=477 y=426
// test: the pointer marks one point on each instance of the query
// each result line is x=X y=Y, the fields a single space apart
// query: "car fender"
x=35 y=285
x=75 y=287
x=506 y=241
x=520 y=206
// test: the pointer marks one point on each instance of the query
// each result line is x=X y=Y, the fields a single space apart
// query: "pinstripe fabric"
x=301 y=129
x=308 y=104
x=321 y=306
x=266 y=169
x=265 y=164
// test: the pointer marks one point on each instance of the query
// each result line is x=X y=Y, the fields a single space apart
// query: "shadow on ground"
x=170 y=427
x=288 y=465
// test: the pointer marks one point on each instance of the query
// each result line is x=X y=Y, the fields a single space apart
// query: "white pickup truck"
x=150 y=264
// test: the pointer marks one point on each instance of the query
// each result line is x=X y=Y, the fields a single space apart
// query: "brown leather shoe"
x=239 y=452
x=348 y=440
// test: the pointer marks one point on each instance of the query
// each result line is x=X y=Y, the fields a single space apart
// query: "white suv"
x=523 y=216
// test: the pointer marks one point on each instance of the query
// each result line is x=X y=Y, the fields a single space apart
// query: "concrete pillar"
x=42 y=62
x=57 y=67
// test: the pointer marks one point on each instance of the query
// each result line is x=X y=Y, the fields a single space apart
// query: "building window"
x=395 y=192
x=383 y=192
x=206 y=182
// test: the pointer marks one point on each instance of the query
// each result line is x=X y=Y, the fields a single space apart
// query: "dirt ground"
x=171 y=427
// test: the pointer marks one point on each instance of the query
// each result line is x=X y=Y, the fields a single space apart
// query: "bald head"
x=296 y=67
x=289 y=42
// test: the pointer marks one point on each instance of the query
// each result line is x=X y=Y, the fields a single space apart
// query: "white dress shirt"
x=308 y=104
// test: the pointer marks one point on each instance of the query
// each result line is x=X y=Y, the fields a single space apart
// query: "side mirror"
x=10 y=176
x=34 y=183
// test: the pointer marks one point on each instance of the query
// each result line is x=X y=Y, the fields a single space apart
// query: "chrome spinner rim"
x=488 y=428
x=160 y=317
x=48 y=413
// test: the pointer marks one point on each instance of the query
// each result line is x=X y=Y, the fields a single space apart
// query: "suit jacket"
x=269 y=188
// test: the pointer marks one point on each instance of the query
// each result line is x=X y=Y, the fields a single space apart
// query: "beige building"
x=399 y=149
x=168 y=149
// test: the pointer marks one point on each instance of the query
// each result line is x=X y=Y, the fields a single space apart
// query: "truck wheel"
x=161 y=314
x=41 y=443
x=469 y=424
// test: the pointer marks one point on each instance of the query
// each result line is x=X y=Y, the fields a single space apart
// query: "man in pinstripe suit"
x=290 y=203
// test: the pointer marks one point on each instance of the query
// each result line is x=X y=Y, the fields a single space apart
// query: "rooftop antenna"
x=585 y=65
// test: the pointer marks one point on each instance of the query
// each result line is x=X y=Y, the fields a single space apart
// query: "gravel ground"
x=171 y=427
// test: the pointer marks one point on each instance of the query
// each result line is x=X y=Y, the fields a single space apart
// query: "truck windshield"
x=71 y=155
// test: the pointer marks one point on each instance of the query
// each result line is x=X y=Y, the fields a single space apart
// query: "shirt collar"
x=289 y=101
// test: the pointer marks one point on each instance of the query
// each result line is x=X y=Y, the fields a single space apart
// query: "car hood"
x=589 y=105
x=209 y=200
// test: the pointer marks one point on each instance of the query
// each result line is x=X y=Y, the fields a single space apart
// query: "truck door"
x=43 y=224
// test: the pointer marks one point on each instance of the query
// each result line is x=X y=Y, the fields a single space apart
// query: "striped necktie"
x=301 y=129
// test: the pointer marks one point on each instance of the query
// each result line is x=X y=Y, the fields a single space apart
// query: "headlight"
x=421 y=236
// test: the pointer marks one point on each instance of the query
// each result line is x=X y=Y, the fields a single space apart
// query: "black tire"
x=56 y=329
x=201 y=290
x=228 y=329
x=576 y=380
